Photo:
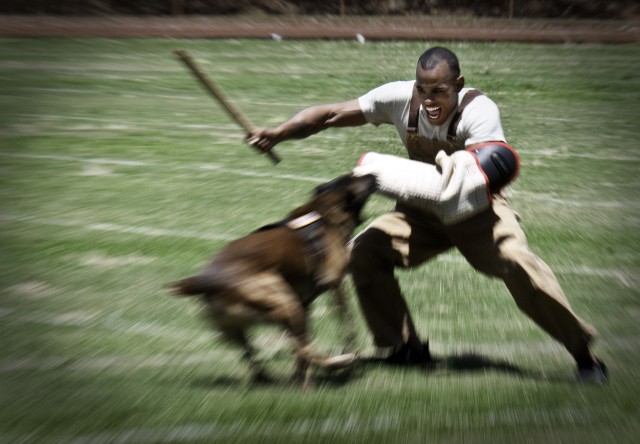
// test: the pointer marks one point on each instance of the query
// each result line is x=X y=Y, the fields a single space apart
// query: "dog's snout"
x=365 y=185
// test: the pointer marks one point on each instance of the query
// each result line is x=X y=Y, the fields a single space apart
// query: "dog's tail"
x=192 y=286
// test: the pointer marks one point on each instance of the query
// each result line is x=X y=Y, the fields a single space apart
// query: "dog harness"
x=304 y=221
x=309 y=228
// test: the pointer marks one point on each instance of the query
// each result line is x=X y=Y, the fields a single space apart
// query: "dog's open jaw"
x=345 y=194
x=273 y=274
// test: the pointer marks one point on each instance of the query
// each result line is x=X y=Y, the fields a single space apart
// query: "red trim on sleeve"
x=504 y=144
x=361 y=159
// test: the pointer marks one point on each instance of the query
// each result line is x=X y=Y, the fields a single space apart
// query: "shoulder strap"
x=466 y=100
x=414 y=111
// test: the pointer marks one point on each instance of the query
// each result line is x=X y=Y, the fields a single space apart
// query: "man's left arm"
x=481 y=122
x=485 y=141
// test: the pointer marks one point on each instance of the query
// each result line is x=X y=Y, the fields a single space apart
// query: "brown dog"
x=273 y=274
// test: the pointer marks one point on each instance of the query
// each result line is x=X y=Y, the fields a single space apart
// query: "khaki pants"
x=492 y=242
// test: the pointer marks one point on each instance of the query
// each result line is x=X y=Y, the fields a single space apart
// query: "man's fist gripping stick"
x=456 y=188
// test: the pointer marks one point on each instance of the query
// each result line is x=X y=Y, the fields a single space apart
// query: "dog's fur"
x=273 y=274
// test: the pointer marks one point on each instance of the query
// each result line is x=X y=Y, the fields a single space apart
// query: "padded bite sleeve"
x=454 y=189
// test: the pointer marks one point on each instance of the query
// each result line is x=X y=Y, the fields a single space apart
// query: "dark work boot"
x=404 y=355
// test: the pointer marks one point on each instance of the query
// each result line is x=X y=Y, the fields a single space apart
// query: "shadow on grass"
x=463 y=363
x=321 y=378
x=473 y=362
x=220 y=382
x=447 y=365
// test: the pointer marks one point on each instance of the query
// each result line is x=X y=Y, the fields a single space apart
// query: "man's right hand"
x=263 y=139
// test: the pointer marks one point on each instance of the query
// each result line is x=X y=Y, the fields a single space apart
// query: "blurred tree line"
x=596 y=9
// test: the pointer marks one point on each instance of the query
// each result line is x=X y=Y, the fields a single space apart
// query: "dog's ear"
x=339 y=183
x=364 y=185
x=358 y=186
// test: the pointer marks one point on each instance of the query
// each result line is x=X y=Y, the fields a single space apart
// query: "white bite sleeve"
x=454 y=189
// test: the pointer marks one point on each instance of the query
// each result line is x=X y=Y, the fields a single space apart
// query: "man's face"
x=438 y=91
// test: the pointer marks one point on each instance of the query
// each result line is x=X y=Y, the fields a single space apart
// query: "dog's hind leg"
x=295 y=320
x=239 y=337
x=273 y=298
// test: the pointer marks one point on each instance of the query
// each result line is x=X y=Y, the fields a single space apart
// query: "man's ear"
x=459 y=83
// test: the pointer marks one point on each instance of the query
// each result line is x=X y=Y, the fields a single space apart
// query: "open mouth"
x=433 y=112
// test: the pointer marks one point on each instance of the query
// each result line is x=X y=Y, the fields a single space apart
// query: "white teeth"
x=432 y=109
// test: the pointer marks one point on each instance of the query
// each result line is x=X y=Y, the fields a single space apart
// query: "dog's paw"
x=340 y=361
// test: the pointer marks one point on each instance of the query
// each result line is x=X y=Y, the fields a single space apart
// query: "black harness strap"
x=466 y=100
x=309 y=228
x=414 y=112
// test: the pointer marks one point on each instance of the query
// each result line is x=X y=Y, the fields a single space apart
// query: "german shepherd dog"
x=273 y=274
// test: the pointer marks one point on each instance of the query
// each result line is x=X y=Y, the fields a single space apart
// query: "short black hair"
x=433 y=56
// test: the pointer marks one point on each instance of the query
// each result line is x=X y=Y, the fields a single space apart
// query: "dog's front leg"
x=347 y=321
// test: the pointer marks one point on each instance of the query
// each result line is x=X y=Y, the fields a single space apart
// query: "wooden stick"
x=233 y=111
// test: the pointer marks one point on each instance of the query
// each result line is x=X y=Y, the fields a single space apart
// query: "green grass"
x=119 y=174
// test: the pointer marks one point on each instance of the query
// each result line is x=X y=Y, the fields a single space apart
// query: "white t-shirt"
x=390 y=103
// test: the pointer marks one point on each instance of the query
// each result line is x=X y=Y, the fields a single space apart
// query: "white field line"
x=607 y=157
x=4 y=311
x=110 y=123
x=112 y=322
x=511 y=349
x=267 y=344
x=182 y=167
x=124 y=363
x=573 y=203
x=220 y=432
x=129 y=93
x=354 y=425
x=15 y=93
x=625 y=278
x=117 y=228
x=248 y=173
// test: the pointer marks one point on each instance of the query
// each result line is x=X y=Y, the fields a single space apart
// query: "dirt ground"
x=326 y=27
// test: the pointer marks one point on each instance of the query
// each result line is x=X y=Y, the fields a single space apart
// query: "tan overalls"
x=492 y=242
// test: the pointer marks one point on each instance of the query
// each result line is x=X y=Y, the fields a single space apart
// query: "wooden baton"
x=233 y=111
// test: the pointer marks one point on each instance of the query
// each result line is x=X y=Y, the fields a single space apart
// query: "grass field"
x=119 y=174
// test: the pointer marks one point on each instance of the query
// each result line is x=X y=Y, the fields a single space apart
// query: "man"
x=437 y=114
